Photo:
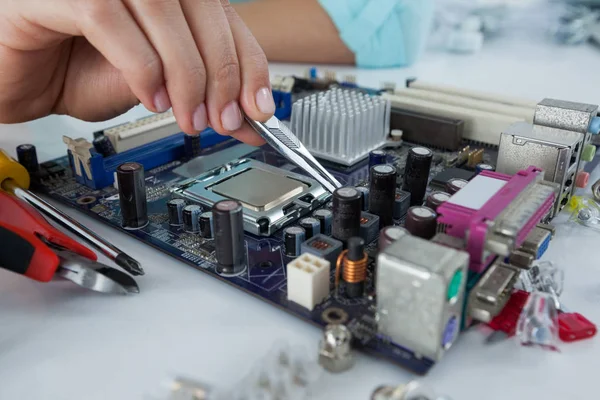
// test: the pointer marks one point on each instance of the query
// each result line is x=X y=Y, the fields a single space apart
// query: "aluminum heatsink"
x=341 y=125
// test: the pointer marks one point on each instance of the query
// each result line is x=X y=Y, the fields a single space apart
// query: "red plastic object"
x=574 y=326
x=582 y=179
x=507 y=320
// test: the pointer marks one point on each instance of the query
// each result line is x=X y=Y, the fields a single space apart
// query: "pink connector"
x=495 y=212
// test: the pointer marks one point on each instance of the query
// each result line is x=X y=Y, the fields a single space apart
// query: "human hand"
x=95 y=59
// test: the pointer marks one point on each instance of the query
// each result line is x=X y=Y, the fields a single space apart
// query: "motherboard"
x=449 y=211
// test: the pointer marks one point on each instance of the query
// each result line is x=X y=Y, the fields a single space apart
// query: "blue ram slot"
x=151 y=155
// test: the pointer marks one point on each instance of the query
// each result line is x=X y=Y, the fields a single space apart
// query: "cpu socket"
x=271 y=197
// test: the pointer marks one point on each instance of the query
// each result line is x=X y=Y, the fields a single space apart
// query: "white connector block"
x=308 y=280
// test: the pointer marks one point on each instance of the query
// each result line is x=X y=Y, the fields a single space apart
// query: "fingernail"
x=200 y=119
x=264 y=101
x=161 y=100
x=231 y=117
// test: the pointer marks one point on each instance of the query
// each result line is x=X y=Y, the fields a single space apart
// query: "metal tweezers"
x=281 y=138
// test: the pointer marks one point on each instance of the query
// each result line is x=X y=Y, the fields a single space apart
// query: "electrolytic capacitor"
x=104 y=146
x=421 y=222
x=191 y=145
x=325 y=217
x=382 y=193
x=132 y=195
x=484 y=167
x=311 y=226
x=191 y=216
x=436 y=199
x=292 y=239
x=354 y=267
x=416 y=173
x=228 y=221
x=389 y=235
x=377 y=157
x=364 y=197
x=455 y=184
x=27 y=157
x=206 y=225
x=175 y=211
x=346 y=213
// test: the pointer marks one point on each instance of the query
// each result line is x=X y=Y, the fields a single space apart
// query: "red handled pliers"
x=30 y=246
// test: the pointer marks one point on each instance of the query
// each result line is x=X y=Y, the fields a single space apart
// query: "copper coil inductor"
x=352 y=263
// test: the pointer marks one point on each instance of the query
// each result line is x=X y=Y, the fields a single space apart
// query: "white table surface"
x=57 y=342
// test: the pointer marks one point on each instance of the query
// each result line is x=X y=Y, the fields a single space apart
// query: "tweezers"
x=281 y=138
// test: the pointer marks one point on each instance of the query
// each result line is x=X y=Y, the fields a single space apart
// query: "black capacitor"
x=382 y=193
x=364 y=197
x=191 y=216
x=454 y=185
x=175 y=211
x=228 y=222
x=416 y=173
x=292 y=239
x=27 y=156
x=192 y=145
x=104 y=146
x=312 y=226
x=436 y=199
x=356 y=252
x=389 y=235
x=421 y=222
x=346 y=213
x=377 y=157
x=206 y=225
x=132 y=195
x=325 y=217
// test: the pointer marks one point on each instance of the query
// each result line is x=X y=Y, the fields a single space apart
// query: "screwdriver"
x=14 y=179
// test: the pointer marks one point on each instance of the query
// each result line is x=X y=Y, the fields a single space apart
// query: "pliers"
x=30 y=246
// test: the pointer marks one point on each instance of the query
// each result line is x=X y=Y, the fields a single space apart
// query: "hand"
x=95 y=59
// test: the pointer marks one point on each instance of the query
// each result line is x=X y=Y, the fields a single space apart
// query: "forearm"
x=295 y=31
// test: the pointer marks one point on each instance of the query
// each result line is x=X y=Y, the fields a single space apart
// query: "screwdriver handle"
x=24 y=253
x=12 y=172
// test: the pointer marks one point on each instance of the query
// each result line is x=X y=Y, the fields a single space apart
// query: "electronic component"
x=191 y=215
x=27 y=157
x=484 y=167
x=416 y=173
x=228 y=223
x=537 y=242
x=455 y=184
x=192 y=145
x=499 y=211
x=104 y=146
x=396 y=135
x=352 y=264
x=369 y=226
x=346 y=213
x=315 y=116
x=420 y=288
x=449 y=241
x=271 y=197
x=308 y=280
x=311 y=226
x=175 y=211
x=436 y=199
x=293 y=237
x=565 y=115
x=521 y=259
x=382 y=191
x=554 y=151
x=492 y=291
x=389 y=235
x=325 y=218
x=206 y=225
x=421 y=222
x=323 y=247
x=132 y=195
x=142 y=131
x=427 y=129
x=401 y=203
x=335 y=351
x=377 y=157
x=475 y=157
x=442 y=178
x=364 y=201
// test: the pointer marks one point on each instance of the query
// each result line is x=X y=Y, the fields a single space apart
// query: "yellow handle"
x=10 y=169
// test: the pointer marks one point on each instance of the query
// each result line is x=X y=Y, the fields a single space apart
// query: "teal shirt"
x=381 y=33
